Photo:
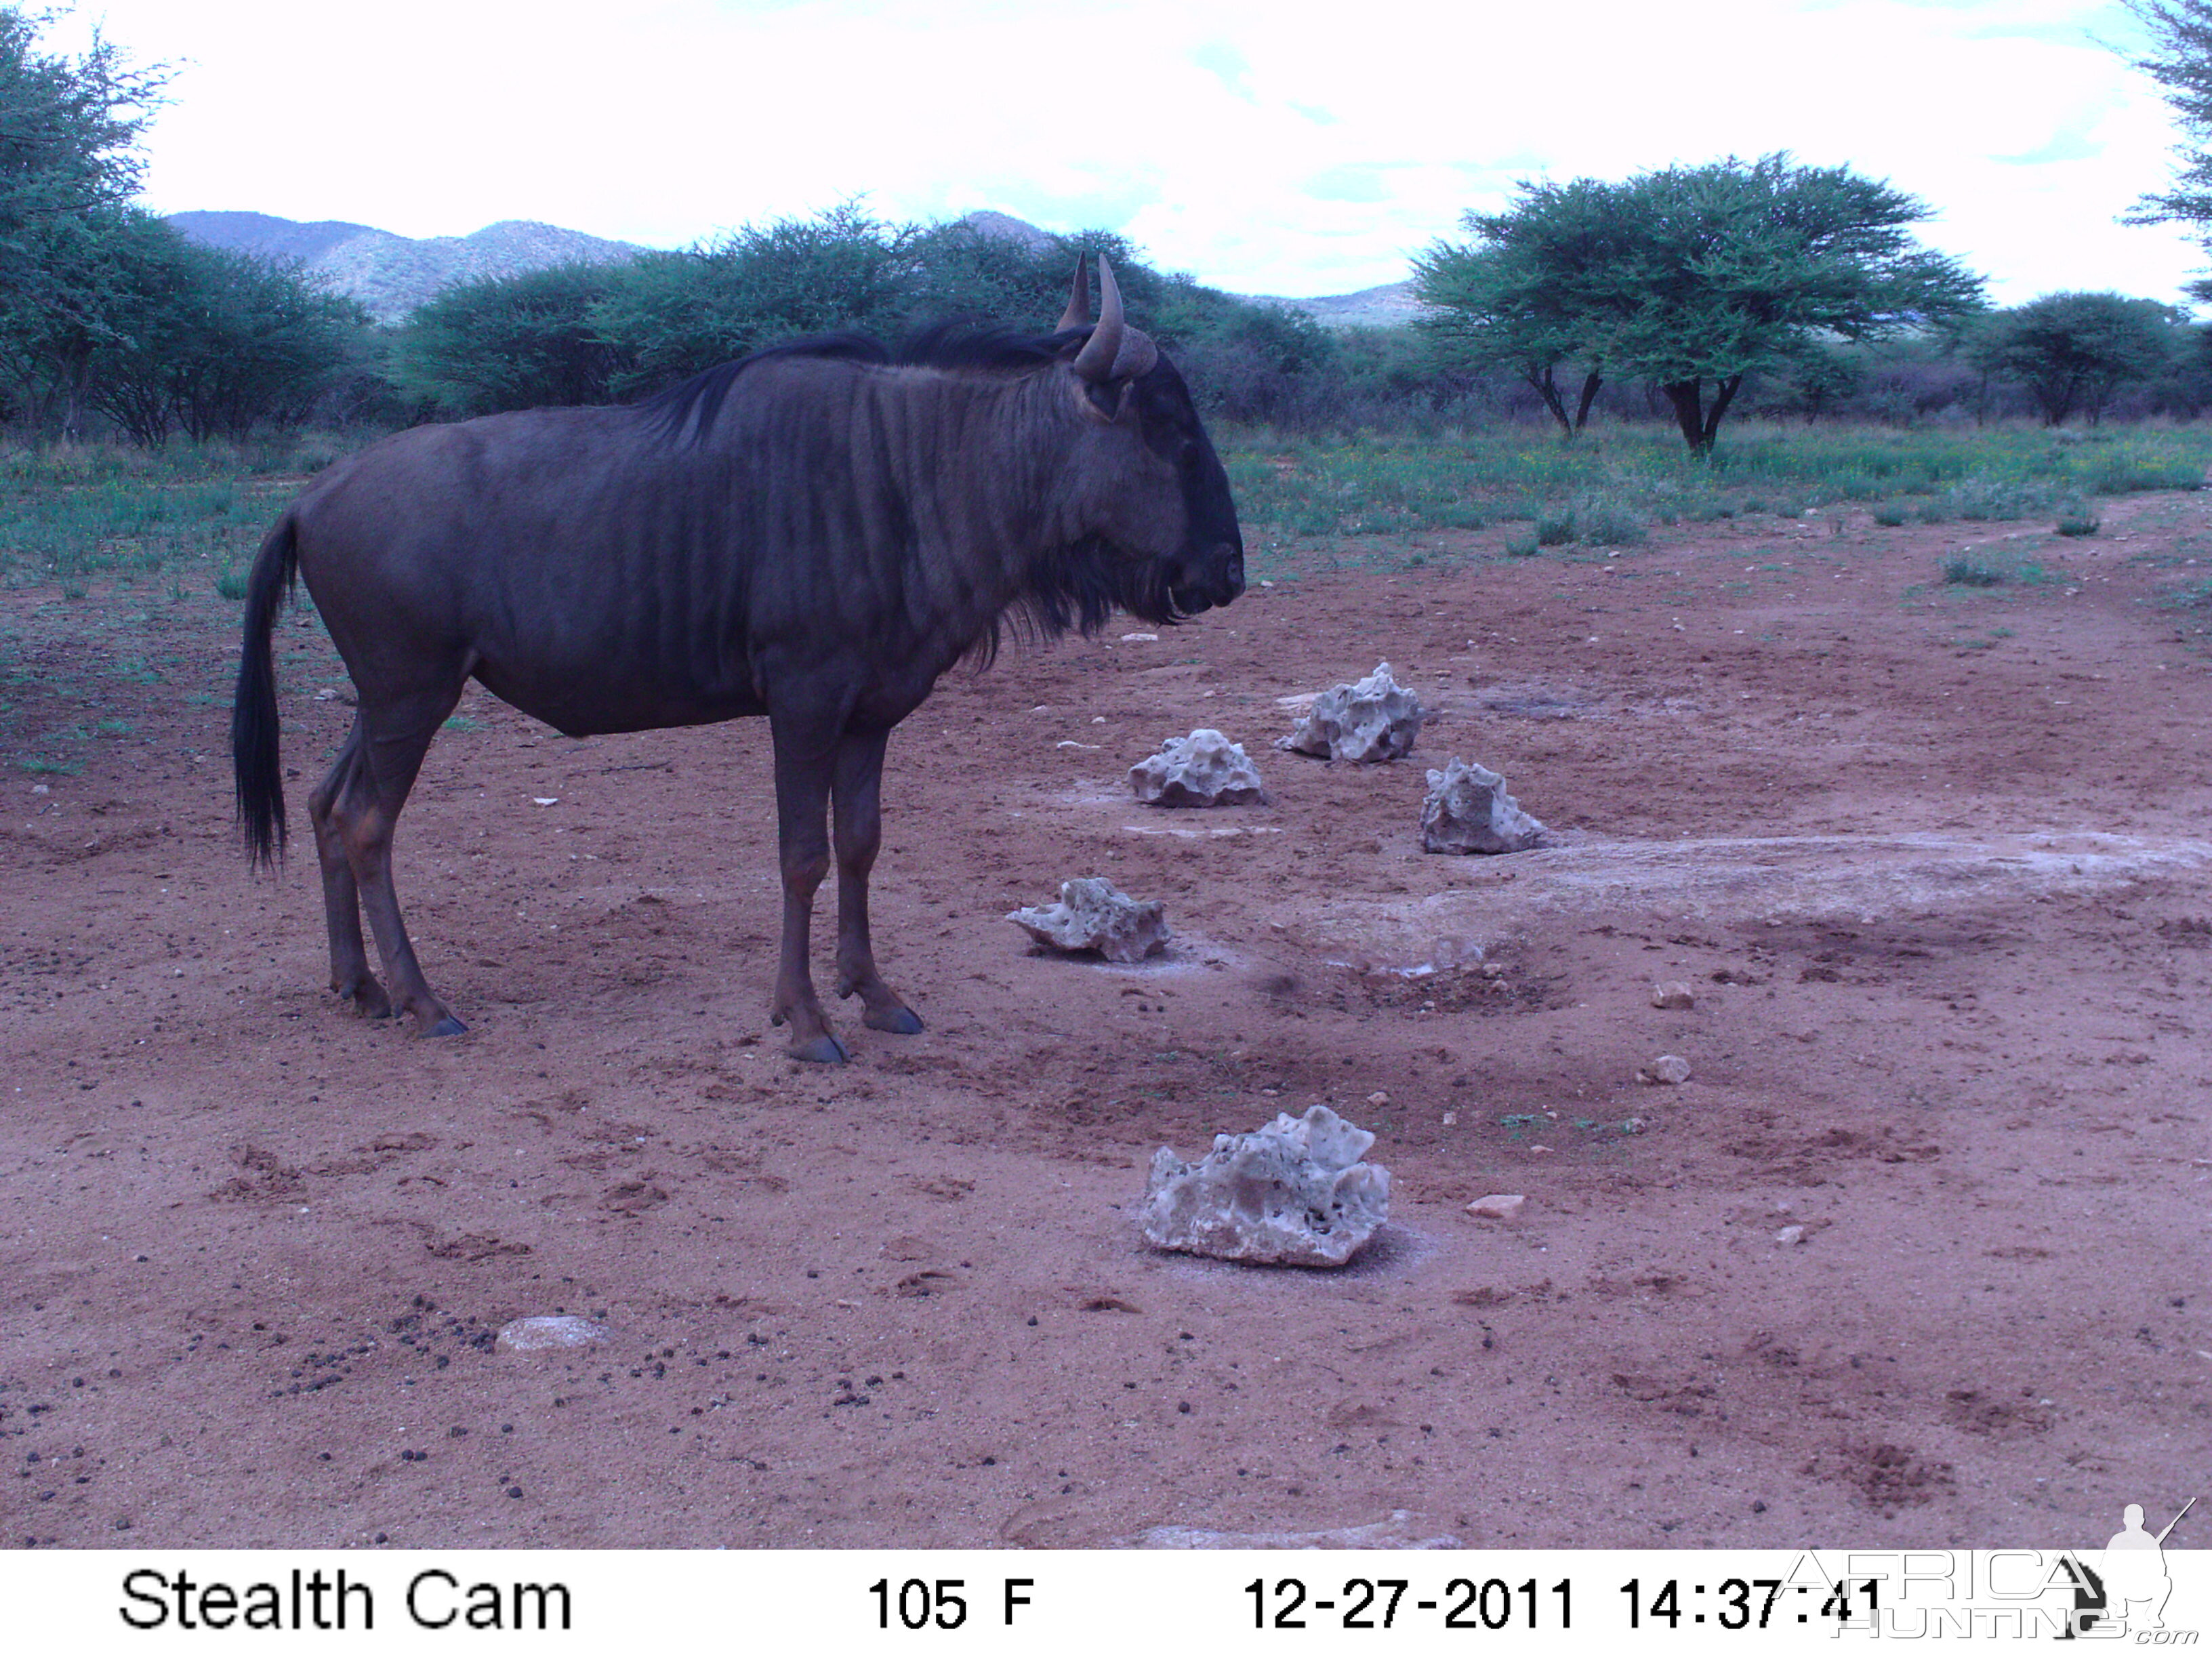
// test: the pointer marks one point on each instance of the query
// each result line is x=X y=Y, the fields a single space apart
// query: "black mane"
x=956 y=343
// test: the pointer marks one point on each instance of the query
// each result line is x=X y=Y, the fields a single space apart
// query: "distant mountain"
x=392 y=275
x=1387 y=306
x=1391 y=305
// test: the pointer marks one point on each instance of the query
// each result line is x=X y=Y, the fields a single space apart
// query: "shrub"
x=1604 y=521
x=1961 y=570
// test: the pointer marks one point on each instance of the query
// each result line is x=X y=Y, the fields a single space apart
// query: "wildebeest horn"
x=1078 y=314
x=1115 y=351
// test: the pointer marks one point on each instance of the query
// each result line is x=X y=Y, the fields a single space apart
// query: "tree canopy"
x=106 y=309
x=599 y=333
x=1687 y=275
x=2180 y=59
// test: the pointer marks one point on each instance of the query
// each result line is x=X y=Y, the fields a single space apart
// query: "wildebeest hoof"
x=824 y=1049
x=900 y=1022
x=368 y=999
x=447 y=1027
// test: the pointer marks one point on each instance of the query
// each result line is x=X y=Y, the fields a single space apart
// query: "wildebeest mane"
x=691 y=406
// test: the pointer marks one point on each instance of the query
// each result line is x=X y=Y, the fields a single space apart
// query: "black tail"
x=253 y=755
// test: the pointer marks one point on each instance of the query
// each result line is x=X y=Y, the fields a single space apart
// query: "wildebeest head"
x=1161 y=531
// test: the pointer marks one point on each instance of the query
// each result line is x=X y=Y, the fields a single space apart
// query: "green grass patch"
x=73 y=513
x=1607 y=486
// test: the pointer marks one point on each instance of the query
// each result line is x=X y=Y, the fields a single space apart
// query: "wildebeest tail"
x=253 y=752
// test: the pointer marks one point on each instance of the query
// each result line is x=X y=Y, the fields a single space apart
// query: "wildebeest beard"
x=1077 y=587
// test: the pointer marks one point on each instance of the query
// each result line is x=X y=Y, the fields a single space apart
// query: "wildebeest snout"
x=1203 y=580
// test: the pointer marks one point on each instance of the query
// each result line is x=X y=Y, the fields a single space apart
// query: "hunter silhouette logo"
x=2127 y=1590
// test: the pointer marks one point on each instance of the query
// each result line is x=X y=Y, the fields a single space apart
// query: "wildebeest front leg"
x=857 y=795
x=805 y=754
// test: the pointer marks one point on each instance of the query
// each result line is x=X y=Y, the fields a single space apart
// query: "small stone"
x=1634 y=1126
x=1203 y=770
x=1668 y=1069
x=1375 y=720
x=1450 y=1118
x=1673 y=993
x=1791 y=1235
x=544 y=1331
x=40 y=789
x=1498 y=1206
x=1540 y=1150
x=1467 y=811
x=1094 y=915
x=1294 y=1192
x=1378 y=1099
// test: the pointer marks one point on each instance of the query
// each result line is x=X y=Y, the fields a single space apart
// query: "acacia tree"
x=1692 y=278
x=2180 y=60
x=1521 y=295
x=524 y=342
x=2074 y=350
x=69 y=164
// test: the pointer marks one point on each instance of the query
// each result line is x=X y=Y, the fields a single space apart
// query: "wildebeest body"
x=814 y=535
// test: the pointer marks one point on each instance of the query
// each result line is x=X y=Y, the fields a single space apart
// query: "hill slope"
x=392 y=275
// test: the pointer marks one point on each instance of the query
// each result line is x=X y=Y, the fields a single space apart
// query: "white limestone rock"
x=1375 y=720
x=1094 y=915
x=1467 y=811
x=544 y=1331
x=1293 y=1193
x=1203 y=770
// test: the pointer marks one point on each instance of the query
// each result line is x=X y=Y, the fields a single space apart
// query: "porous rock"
x=550 y=1331
x=1203 y=770
x=1673 y=993
x=1668 y=1069
x=1094 y=915
x=1375 y=720
x=1294 y=1192
x=1467 y=811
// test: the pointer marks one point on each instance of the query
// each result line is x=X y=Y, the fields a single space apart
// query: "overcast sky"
x=1264 y=147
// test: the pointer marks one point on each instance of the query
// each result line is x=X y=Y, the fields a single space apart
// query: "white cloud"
x=1265 y=148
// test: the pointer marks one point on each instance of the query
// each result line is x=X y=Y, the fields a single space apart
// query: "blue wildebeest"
x=814 y=533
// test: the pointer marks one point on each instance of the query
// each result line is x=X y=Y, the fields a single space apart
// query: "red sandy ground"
x=1941 y=890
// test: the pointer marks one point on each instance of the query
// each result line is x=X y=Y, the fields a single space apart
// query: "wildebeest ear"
x=1110 y=401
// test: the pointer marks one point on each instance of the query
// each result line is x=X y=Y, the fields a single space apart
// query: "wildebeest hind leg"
x=806 y=750
x=349 y=975
x=397 y=735
x=856 y=792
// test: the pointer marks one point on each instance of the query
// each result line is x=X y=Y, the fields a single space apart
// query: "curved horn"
x=1095 y=361
x=1078 y=314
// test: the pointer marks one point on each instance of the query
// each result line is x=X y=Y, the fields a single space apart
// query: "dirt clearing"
x=1935 y=861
